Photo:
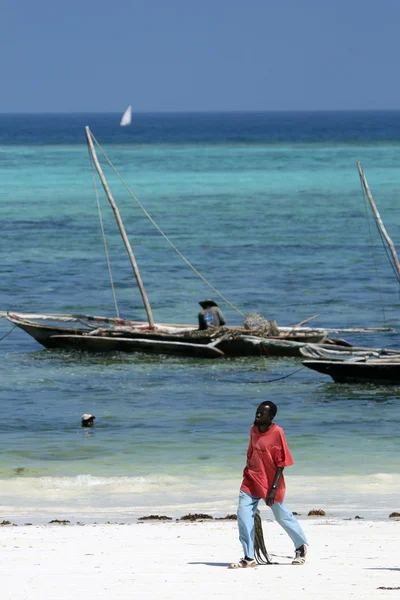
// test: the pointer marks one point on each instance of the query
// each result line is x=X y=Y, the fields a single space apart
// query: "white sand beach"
x=354 y=559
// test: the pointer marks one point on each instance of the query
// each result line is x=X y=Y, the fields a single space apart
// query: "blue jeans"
x=246 y=512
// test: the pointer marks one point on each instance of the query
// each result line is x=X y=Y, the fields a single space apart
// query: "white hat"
x=87 y=416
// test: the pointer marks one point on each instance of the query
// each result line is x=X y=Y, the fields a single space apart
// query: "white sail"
x=126 y=117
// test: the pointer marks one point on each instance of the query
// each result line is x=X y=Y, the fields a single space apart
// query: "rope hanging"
x=163 y=234
x=104 y=236
x=8 y=333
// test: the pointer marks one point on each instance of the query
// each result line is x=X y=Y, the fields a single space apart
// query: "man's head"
x=207 y=303
x=265 y=413
x=88 y=420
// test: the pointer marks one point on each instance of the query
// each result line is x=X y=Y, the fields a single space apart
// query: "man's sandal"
x=300 y=555
x=243 y=564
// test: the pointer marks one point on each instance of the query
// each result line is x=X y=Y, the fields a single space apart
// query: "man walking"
x=268 y=454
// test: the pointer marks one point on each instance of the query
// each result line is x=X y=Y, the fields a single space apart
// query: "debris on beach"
x=394 y=515
x=4 y=522
x=387 y=588
x=227 y=518
x=155 y=518
x=317 y=513
x=60 y=521
x=195 y=517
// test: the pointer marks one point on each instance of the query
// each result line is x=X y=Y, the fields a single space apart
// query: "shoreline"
x=188 y=518
x=184 y=513
x=174 y=560
x=94 y=499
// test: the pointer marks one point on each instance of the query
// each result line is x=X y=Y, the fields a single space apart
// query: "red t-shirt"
x=267 y=451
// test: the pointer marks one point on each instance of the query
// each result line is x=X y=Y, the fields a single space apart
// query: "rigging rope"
x=163 y=234
x=104 y=236
x=266 y=380
x=284 y=377
x=8 y=333
x=373 y=251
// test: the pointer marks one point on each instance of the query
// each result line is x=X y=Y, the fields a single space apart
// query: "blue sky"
x=181 y=55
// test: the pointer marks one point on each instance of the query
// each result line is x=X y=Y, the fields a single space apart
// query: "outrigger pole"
x=121 y=228
x=379 y=220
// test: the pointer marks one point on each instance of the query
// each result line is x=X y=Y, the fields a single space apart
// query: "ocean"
x=268 y=207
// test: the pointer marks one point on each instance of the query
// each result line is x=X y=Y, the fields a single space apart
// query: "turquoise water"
x=271 y=212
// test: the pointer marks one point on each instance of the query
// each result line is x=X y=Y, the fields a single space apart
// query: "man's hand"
x=270 y=499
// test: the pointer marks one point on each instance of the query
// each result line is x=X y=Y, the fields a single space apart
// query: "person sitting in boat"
x=88 y=420
x=211 y=315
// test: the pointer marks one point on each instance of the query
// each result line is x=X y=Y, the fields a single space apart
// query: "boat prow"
x=380 y=370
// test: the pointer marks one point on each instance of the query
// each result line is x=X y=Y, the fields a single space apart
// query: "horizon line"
x=216 y=111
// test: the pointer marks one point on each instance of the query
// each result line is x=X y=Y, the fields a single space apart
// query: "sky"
x=208 y=55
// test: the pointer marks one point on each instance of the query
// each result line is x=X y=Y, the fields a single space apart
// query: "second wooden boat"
x=378 y=370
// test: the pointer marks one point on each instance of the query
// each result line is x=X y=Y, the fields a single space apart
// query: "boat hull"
x=114 y=344
x=232 y=342
x=47 y=335
x=160 y=343
x=357 y=372
x=71 y=338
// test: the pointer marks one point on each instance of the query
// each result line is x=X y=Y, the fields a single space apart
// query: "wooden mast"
x=121 y=228
x=378 y=219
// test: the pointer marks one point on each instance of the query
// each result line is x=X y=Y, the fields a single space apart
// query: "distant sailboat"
x=126 y=117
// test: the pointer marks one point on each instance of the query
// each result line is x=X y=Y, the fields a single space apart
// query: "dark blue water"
x=322 y=127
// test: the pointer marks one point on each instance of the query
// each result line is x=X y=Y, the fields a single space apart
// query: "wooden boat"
x=374 y=370
x=102 y=334
x=181 y=340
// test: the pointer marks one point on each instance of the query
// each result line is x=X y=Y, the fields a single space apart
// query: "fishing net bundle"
x=254 y=324
x=260 y=551
x=256 y=321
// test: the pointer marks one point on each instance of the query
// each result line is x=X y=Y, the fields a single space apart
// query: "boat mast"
x=121 y=228
x=378 y=219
